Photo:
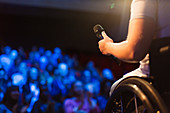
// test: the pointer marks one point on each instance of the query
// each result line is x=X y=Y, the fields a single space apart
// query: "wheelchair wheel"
x=135 y=95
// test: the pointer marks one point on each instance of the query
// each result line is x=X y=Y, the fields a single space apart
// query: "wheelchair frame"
x=142 y=89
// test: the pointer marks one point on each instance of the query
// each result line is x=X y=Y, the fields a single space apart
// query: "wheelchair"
x=145 y=94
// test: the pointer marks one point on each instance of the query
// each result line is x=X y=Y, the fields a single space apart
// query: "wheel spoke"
x=136 y=105
x=121 y=104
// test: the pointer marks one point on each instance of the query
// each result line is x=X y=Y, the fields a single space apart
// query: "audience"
x=45 y=81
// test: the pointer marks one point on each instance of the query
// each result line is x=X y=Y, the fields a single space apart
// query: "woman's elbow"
x=132 y=56
x=138 y=56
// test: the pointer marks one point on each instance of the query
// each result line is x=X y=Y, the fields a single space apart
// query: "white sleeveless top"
x=159 y=10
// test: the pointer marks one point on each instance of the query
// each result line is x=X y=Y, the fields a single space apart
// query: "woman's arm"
x=136 y=46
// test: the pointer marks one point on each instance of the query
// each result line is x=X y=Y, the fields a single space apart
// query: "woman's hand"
x=104 y=44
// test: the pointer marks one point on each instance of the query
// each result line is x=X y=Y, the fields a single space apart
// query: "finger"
x=99 y=42
x=107 y=38
x=104 y=35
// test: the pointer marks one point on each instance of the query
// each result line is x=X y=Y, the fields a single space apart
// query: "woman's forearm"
x=121 y=50
x=136 y=46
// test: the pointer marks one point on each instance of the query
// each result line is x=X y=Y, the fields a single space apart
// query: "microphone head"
x=98 y=31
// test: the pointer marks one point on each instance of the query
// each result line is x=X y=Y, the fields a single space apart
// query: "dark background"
x=71 y=30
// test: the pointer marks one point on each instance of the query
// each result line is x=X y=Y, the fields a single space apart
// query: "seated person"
x=149 y=19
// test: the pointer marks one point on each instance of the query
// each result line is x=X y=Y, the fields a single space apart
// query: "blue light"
x=6 y=62
x=18 y=79
x=1 y=65
x=14 y=54
x=37 y=92
x=48 y=53
x=107 y=73
x=43 y=59
x=33 y=87
x=41 y=50
x=87 y=73
x=43 y=62
x=87 y=76
x=34 y=73
x=37 y=56
x=57 y=50
x=22 y=66
x=34 y=70
x=63 y=66
x=63 y=69
x=7 y=50
x=89 y=87
x=2 y=72
x=1 y=96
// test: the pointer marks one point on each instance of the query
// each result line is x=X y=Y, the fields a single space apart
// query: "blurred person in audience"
x=107 y=74
x=56 y=56
x=17 y=60
x=58 y=91
x=63 y=72
x=6 y=50
x=79 y=102
x=3 y=79
x=18 y=80
x=91 y=67
x=88 y=78
x=43 y=62
x=1 y=95
x=70 y=61
x=58 y=52
x=67 y=75
x=48 y=54
x=47 y=77
x=13 y=54
x=46 y=104
x=34 y=55
x=41 y=51
x=46 y=73
x=107 y=80
x=61 y=84
x=10 y=102
x=31 y=88
x=90 y=95
x=23 y=68
x=95 y=76
x=22 y=53
x=6 y=61
x=103 y=96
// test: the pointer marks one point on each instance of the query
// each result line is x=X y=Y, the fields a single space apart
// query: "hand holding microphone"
x=104 y=41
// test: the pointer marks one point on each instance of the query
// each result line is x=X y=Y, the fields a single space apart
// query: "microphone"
x=98 y=29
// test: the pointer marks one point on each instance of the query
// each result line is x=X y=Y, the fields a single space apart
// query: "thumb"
x=104 y=35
